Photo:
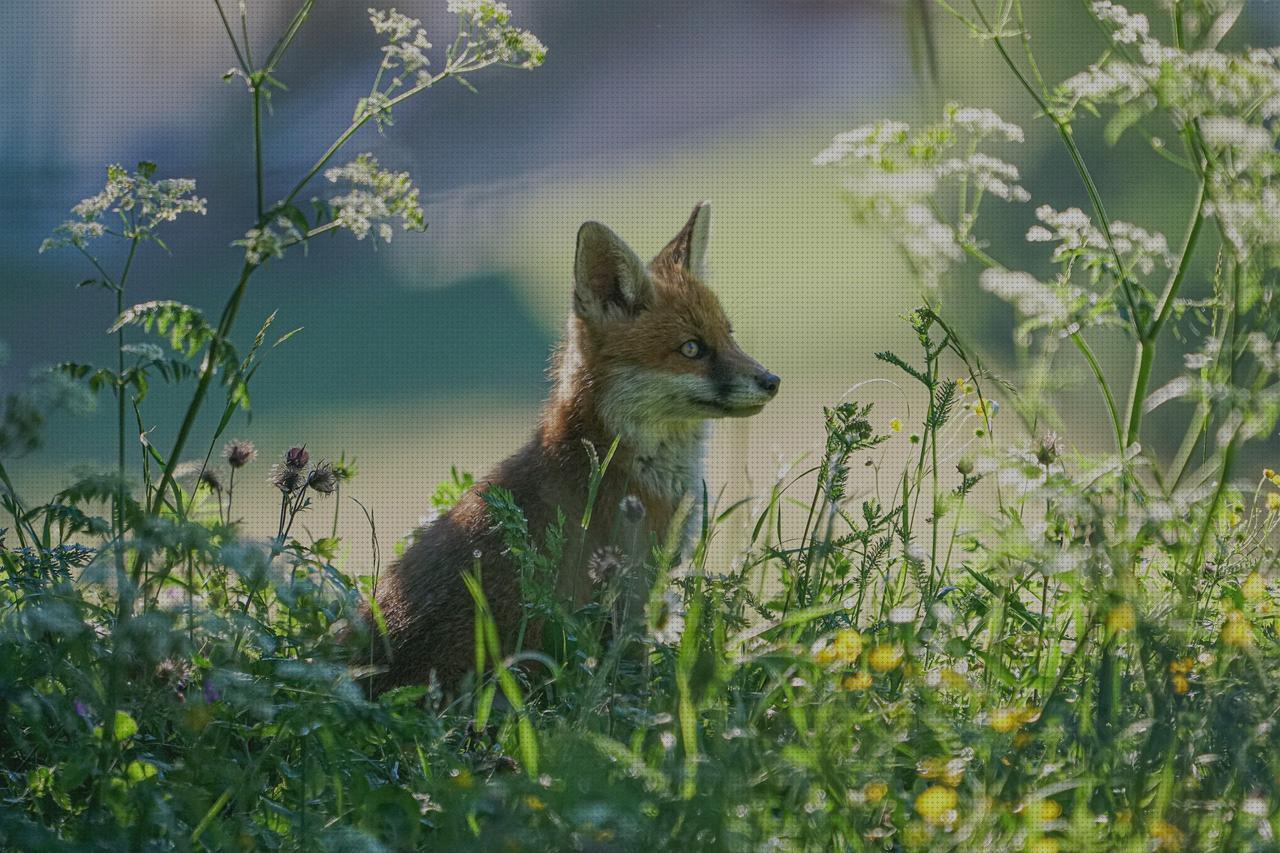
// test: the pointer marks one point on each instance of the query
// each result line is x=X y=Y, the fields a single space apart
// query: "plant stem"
x=257 y=143
x=1147 y=342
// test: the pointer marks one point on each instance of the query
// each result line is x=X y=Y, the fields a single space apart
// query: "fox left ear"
x=689 y=248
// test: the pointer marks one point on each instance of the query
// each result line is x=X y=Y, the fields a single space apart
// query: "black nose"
x=768 y=382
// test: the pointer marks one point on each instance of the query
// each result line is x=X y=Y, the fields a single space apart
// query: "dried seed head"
x=605 y=565
x=323 y=479
x=286 y=478
x=297 y=457
x=239 y=453
x=1047 y=449
x=632 y=508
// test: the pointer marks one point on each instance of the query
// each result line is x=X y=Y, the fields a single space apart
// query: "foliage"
x=966 y=637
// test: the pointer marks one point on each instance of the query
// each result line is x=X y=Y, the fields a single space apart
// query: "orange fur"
x=624 y=369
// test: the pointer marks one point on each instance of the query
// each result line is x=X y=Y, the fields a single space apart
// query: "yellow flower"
x=1253 y=587
x=949 y=770
x=1043 y=844
x=937 y=804
x=1182 y=667
x=1235 y=631
x=1180 y=683
x=885 y=657
x=848 y=645
x=1040 y=812
x=857 y=681
x=1273 y=502
x=1021 y=739
x=463 y=778
x=1268 y=474
x=874 y=792
x=1005 y=720
x=952 y=679
x=1122 y=618
x=535 y=803
x=895 y=425
x=1166 y=835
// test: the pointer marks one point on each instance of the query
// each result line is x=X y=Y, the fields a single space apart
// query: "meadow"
x=949 y=628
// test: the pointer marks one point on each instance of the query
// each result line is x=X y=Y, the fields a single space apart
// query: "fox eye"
x=693 y=349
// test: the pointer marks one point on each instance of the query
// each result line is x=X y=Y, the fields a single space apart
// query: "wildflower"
x=487 y=27
x=847 y=645
x=1271 y=475
x=1040 y=812
x=895 y=425
x=1253 y=587
x=374 y=196
x=1273 y=502
x=937 y=804
x=322 y=479
x=296 y=457
x=286 y=478
x=1047 y=449
x=885 y=657
x=875 y=791
x=983 y=122
x=605 y=565
x=1028 y=295
x=1166 y=835
x=140 y=203
x=212 y=479
x=1130 y=27
x=1005 y=720
x=632 y=509
x=534 y=802
x=949 y=770
x=1180 y=683
x=269 y=241
x=1235 y=630
x=239 y=453
x=1122 y=618
x=857 y=681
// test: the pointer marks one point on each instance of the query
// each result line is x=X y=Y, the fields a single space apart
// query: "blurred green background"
x=431 y=352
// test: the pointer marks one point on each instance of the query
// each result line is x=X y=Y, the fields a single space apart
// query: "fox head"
x=653 y=340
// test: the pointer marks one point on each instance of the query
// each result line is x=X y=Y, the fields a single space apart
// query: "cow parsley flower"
x=139 y=203
x=269 y=241
x=375 y=196
x=1129 y=27
x=488 y=36
x=894 y=176
x=1031 y=297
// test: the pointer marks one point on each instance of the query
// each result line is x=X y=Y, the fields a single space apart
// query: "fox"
x=648 y=359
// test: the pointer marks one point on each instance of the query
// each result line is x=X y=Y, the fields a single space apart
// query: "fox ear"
x=609 y=281
x=689 y=248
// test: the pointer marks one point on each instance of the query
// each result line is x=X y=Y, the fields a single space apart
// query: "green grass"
x=942 y=630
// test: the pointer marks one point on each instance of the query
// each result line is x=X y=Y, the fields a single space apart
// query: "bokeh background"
x=431 y=352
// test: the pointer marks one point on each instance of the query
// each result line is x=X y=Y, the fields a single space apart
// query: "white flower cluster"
x=894 y=174
x=1031 y=297
x=1129 y=27
x=988 y=174
x=375 y=196
x=140 y=203
x=1078 y=237
x=983 y=122
x=405 y=52
x=1193 y=83
x=270 y=241
x=485 y=26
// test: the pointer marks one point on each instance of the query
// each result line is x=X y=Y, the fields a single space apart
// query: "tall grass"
x=948 y=631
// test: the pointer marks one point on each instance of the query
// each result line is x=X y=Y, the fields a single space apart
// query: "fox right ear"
x=609 y=281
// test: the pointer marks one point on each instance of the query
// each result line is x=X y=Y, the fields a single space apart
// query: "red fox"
x=647 y=358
